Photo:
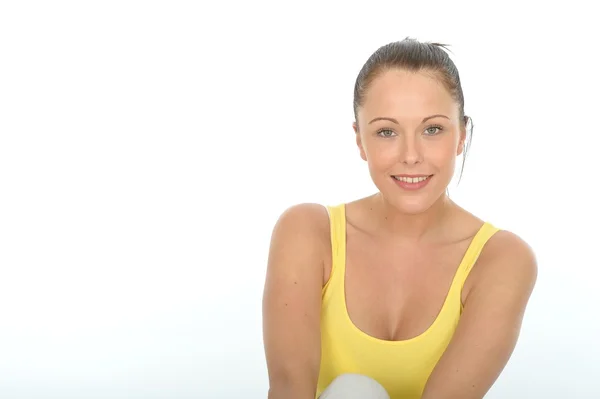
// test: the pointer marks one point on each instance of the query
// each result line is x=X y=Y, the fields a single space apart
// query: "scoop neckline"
x=445 y=304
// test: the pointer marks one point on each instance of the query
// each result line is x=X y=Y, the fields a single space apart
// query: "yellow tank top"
x=402 y=367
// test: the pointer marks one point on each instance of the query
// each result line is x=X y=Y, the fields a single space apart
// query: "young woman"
x=401 y=294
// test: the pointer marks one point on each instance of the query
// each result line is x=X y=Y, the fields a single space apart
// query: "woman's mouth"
x=412 y=182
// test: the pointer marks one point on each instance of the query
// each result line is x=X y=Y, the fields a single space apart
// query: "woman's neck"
x=423 y=226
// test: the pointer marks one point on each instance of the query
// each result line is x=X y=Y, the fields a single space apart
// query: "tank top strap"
x=486 y=232
x=337 y=223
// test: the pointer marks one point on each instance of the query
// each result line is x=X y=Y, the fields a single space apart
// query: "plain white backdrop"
x=147 y=149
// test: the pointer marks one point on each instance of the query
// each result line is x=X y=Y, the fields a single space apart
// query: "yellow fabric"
x=402 y=367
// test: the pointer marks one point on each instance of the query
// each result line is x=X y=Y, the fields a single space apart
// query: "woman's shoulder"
x=300 y=242
x=310 y=220
x=306 y=213
x=506 y=260
x=502 y=249
x=506 y=247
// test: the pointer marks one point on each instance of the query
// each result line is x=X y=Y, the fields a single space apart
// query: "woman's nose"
x=411 y=151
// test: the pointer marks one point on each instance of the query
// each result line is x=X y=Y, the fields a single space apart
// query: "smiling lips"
x=412 y=182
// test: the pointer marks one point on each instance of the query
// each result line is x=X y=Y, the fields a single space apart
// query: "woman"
x=402 y=294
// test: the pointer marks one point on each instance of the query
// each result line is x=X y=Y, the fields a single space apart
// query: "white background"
x=148 y=148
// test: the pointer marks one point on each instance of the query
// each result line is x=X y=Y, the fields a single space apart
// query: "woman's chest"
x=396 y=292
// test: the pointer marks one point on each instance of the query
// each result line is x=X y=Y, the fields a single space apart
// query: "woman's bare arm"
x=489 y=327
x=292 y=301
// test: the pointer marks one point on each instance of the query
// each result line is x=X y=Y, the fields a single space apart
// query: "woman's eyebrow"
x=383 y=118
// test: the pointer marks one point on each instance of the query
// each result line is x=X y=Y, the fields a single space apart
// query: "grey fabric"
x=354 y=386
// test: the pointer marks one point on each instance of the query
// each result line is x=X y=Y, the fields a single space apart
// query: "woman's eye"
x=431 y=130
x=385 y=133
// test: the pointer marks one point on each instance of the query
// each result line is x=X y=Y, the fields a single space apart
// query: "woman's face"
x=409 y=130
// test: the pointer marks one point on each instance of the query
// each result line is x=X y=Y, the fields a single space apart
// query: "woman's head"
x=410 y=120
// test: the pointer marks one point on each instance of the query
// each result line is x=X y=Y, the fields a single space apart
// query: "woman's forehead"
x=407 y=94
x=401 y=84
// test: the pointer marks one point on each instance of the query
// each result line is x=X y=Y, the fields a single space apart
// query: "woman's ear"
x=461 y=145
x=463 y=136
x=359 y=143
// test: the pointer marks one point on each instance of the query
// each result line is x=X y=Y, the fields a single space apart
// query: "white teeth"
x=411 y=179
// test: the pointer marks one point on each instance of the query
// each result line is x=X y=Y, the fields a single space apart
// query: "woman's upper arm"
x=292 y=300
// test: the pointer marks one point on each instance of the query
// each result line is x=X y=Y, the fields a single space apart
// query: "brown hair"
x=412 y=55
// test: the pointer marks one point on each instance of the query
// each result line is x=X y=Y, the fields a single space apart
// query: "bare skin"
x=396 y=286
x=403 y=249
